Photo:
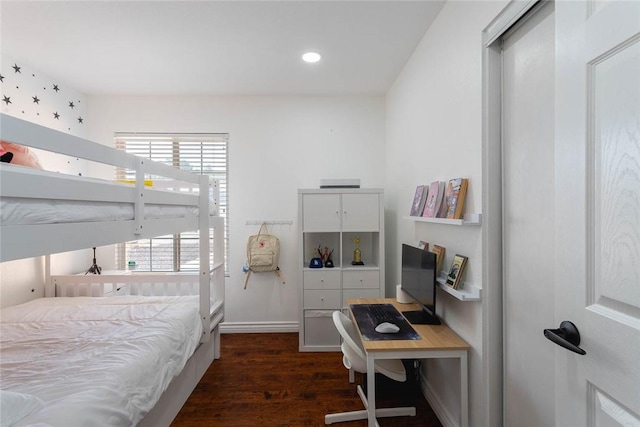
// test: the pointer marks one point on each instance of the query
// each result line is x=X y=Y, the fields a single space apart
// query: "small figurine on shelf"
x=357 y=253
x=328 y=262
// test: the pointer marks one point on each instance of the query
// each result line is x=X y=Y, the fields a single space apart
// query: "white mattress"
x=95 y=361
x=21 y=211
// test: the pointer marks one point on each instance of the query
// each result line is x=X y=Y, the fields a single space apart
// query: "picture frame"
x=454 y=276
x=423 y=245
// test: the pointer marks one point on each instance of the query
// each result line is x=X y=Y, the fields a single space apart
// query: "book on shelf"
x=454 y=277
x=454 y=198
x=442 y=209
x=439 y=251
x=419 y=200
x=434 y=199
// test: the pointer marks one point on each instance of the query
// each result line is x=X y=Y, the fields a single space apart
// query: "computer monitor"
x=419 y=282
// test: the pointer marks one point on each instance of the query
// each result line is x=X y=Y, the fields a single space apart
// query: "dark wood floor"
x=262 y=380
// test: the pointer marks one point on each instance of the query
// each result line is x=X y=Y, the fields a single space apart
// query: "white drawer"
x=322 y=299
x=348 y=294
x=361 y=279
x=321 y=279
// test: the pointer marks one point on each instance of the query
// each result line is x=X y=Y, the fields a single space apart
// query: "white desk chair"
x=354 y=358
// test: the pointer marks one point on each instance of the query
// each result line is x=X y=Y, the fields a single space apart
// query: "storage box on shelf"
x=336 y=219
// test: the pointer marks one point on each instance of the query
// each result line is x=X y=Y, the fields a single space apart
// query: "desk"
x=437 y=341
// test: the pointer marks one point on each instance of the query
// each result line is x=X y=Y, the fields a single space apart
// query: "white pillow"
x=16 y=406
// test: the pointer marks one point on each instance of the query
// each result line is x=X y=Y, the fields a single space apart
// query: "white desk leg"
x=464 y=390
x=371 y=390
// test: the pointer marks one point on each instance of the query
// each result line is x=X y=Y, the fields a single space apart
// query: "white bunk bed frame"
x=26 y=241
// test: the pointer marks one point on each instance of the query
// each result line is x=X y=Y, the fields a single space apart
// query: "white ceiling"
x=216 y=47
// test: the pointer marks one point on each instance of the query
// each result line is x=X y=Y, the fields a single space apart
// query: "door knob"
x=566 y=336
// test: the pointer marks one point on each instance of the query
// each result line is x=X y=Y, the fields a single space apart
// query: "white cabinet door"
x=360 y=212
x=321 y=212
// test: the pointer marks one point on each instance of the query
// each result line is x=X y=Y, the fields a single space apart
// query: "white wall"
x=434 y=132
x=276 y=145
x=23 y=280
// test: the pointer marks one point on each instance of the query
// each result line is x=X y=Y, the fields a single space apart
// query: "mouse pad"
x=368 y=316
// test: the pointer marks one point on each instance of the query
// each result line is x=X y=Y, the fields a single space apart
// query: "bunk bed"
x=95 y=385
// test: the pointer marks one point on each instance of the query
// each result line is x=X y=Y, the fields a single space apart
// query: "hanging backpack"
x=263 y=253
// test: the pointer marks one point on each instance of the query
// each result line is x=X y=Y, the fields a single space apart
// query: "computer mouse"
x=387 y=328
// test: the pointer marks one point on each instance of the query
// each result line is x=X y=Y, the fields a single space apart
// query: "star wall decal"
x=33 y=106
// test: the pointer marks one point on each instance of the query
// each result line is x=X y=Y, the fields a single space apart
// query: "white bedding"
x=14 y=211
x=96 y=361
x=26 y=211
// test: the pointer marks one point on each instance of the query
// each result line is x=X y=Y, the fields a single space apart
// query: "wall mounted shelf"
x=471 y=219
x=467 y=292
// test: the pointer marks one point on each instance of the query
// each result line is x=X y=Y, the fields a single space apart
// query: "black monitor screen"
x=419 y=281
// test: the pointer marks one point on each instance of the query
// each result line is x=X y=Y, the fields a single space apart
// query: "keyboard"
x=382 y=313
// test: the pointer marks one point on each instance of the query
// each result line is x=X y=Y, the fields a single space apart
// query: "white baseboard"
x=443 y=415
x=258 y=327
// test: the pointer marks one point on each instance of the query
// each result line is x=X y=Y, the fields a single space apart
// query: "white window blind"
x=195 y=153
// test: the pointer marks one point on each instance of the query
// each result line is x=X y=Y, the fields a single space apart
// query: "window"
x=196 y=153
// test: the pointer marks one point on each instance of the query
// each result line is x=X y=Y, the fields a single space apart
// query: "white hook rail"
x=256 y=222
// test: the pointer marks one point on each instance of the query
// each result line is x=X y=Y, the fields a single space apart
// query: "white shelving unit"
x=334 y=218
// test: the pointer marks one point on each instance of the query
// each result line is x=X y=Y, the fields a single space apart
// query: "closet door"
x=528 y=214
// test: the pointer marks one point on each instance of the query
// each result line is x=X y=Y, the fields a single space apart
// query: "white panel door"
x=597 y=215
x=321 y=212
x=528 y=215
x=360 y=212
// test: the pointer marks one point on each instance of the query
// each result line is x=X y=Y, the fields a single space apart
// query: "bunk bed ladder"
x=205 y=268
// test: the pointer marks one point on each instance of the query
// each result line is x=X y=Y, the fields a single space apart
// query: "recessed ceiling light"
x=311 y=57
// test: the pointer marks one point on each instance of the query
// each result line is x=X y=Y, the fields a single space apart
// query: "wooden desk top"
x=434 y=337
